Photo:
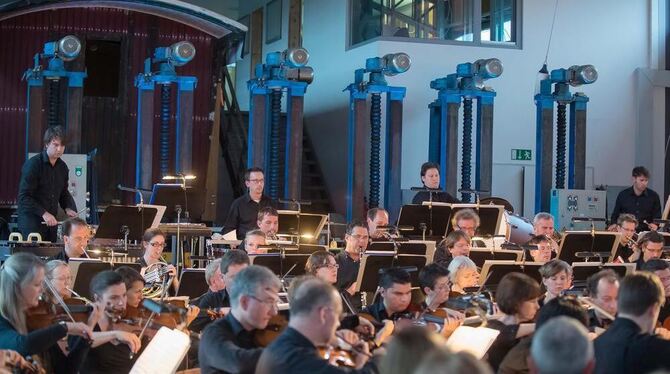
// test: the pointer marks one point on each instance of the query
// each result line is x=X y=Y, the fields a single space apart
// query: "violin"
x=337 y=356
x=277 y=324
x=46 y=314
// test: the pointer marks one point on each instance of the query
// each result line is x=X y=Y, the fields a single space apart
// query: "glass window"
x=498 y=16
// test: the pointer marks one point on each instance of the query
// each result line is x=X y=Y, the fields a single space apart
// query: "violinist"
x=21 y=279
x=556 y=278
x=58 y=272
x=227 y=345
x=662 y=269
x=111 y=350
x=153 y=242
x=457 y=243
x=626 y=225
x=377 y=217
x=315 y=316
x=516 y=297
x=356 y=238
x=395 y=291
x=134 y=285
x=651 y=247
x=463 y=274
x=76 y=235
x=542 y=249
x=435 y=284
x=603 y=291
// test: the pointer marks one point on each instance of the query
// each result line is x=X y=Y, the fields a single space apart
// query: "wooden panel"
x=256 y=39
x=295 y=24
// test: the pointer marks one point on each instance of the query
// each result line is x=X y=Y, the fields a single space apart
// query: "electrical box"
x=567 y=204
x=76 y=163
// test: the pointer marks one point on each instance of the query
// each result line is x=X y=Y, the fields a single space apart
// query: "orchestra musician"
x=377 y=217
x=227 y=345
x=638 y=200
x=626 y=225
x=603 y=291
x=356 y=240
x=556 y=278
x=43 y=187
x=463 y=274
x=629 y=345
x=315 y=315
x=268 y=222
x=542 y=250
x=430 y=177
x=457 y=243
x=21 y=279
x=543 y=224
x=243 y=213
x=435 y=284
x=76 y=235
x=662 y=269
x=651 y=247
x=466 y=220
x=134 y=283
x=551 y=354
x=252 y=241
x=153 y=241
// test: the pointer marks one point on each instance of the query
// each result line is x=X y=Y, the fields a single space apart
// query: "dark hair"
x=372 y=213
x=233 y=257
x=393 y=276
x=453 y=238
x=356 y=223
x=537 y=239
x=514 y=289
x=150 y=233
x=562 y=306
x=247 y=173
x=625 y=217
x=317 y=260
x=553 y=267
x=103 y=280
x=650 y=236
x=69 y=223
x=427 y=166
x=592 y=282
x=640 y=171
x=54 y=132
x=638 y=292
x=129 y=275
x=430 y=273
x=267 y=210
x=655 y=265
x=310 y=294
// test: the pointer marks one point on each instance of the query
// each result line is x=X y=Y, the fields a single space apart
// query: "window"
x=474 y=22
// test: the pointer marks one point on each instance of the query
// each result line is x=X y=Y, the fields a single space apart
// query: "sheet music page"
x=475 y=340
x=230 y=235
x=163 y=354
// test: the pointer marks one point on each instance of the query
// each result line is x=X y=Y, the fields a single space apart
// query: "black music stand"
x=490 y=217
x=308 y=249
x=479 y=256
x=419 y=248
x=192 y=283
x=135 y=218
x=85 y=271
x=281 y=264
x=587 y=241
x=435 y=218
x=373 y=262
x=170 y=195
x=305 y=225
x=582 y=270
x=497 y=269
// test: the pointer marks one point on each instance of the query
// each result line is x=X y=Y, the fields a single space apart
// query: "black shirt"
x=378 y=311
x=108 y=358
x=293 y=353
x=624 y=348
x=243 y=214
x=438 y=197
x=505 y=341
x=594 y=321
x=62 y=255
x=37 y=341
x=347 y=274
x=226 y=347
x=645 y=207
x=77 y=350
x=210 y=300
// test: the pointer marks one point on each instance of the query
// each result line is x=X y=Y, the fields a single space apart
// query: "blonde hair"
x=18 y=270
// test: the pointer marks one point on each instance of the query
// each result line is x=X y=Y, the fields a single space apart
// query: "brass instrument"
x=156 y=279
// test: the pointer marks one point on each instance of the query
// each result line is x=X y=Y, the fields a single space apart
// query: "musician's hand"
x=49 y=219
x=345 y=338
x=223 y=311
x=172 y=270
x=79 y=329
x=613 y=227
x=636 y=255
x=361 y=354
x=71 y=213
x=451 y=324
x=663 y=333
x=131 y=340
x=365 y=327
x=352 y=289
x=12 y=359
x=384 y=332
x=95 y=315
x=652 y=226
x=192 y=313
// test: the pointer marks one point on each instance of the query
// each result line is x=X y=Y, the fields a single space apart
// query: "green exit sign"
x=522 y=154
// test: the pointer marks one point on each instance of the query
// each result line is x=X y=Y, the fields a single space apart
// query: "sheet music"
x=232 y=235
x=163 y=354
x=475 y=340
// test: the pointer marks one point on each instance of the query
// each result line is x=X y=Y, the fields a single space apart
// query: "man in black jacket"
x=629 y=346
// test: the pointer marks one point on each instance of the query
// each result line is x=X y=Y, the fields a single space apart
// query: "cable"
x=375 y=148
x=551 y=32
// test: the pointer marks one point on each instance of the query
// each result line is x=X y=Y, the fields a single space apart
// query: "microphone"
x=158 y=307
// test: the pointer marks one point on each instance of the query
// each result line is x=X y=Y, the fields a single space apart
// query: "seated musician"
x=651 y=247
x=134 y=285
x=629 y=344
x=252 y=241
x=516 y=297
x=556 y=278
x=662 y=269
x=435 y=284
x=626 y=224
x=463 y=274
x=153 y=241
x=58 y=272
x=562 y=345
x=466 y=220
x=541 y=249
x=315 y=314
x=395 y=291
x=268 y=222
x=111 y=349
x=243 y=213
x=227 y=345
x=430 y=177
x=217 y=297
x=76 y=235
x=603 y=290
x=457 y=243
x=543 y=224
x=377 y=217
x=356 y=240
x=21 y=281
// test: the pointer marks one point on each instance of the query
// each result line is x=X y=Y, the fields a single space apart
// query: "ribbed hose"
x=275 y=142
x=166 y=95
x=466 y=155
x=54 y=103
x=375 y=149
x=561 y=128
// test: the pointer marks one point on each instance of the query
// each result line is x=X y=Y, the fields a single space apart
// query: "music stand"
x=498 y=269
x=412 y=247
x=418 y=216
x=280 y=264
x=135 y=218
x=480 y=255
x=588 y=241
x=490 y=217
x=169 y=195
x=372 y=262
x=307 y=226
x=83 y=270
x=192 y=283
x=308 y=249
x=582 y=270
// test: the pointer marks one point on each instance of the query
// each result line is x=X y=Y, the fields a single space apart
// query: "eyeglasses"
x=157 y=244
x=64 y=279
x=256 y=180
x=269 y=303
x=330 y=266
